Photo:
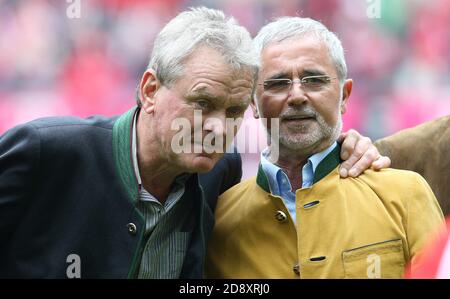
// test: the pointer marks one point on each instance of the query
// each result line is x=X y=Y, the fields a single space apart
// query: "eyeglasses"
x=309 y=83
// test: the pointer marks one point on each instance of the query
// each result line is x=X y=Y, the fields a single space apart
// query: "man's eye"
x=314 y=81
x=276 y=84
x=233 y=111
x=203 y=104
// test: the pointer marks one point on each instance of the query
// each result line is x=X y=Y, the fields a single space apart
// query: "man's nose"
x=215 y=124
x=297 y=95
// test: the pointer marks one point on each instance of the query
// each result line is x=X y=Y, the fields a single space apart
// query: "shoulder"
x=246 y=185
x=390 y=175
x=62 y=137
x=232 y=206
x=390 y=178
x=394 y=181
x=233 y=197
x=67 y=124
x=404 y=194
x=20 y=148
x=401 y=188
x=72 y=132
x=63 y=124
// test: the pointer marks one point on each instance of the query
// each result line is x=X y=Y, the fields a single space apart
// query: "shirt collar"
x=274 y=172
x=134 y=149
x=271 y=170
x=317 y=158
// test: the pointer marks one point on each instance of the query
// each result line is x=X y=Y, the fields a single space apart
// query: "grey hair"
x=196 y=27
x=291 y=27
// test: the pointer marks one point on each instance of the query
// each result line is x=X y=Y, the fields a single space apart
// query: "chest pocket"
x=379 y=260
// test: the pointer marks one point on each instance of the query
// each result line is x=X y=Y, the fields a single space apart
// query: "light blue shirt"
x=279 y=182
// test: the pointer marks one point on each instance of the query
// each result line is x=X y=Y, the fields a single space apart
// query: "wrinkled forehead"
x=238 y=90
x=207 y=73
x=295 y=54
x=205 y=59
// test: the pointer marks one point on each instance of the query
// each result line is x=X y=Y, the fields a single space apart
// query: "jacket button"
x=280 y=216
x=132 y=229
x=296 y=269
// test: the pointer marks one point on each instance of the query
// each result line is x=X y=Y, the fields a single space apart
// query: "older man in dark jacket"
x=113 y=197
x=68 y=189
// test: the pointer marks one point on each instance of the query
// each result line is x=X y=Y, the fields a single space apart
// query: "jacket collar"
x=123 y=153
x=122 y=145
x=122 y=131
x=330 y=162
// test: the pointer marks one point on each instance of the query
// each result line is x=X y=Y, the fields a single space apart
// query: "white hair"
x=196 y=27
x=292 y=27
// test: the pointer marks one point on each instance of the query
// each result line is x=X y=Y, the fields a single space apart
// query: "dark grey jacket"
x=67 y=186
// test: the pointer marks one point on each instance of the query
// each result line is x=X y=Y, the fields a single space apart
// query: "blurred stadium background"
x=51 y=64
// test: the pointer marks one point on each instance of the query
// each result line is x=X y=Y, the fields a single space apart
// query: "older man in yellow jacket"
x=298 y=218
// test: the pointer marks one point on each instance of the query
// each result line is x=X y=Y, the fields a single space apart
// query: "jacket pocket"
x=379 y=260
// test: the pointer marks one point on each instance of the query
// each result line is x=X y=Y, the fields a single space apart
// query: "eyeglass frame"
x=300 y=80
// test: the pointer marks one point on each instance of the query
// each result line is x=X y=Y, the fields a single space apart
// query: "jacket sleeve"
x=19 y=155
x=424 y=217
x=398 y=148
x=423 y=149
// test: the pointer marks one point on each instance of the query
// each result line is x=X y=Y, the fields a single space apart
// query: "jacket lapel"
x=122 y=142
x=330 y=162
x=122 y=153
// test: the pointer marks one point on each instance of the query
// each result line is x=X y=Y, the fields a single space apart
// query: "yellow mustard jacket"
x=365 y=227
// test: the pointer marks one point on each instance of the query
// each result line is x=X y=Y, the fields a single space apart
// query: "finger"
x=364 y=163
x=343 y=172
x=361 y=147
x=349 y=143
x=347 y=165
x=342 y=136
x=381 y=162
x=358 y=168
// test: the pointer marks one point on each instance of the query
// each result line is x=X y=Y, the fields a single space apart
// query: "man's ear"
x=147 y=89
x=254 y=107
x=346 y=91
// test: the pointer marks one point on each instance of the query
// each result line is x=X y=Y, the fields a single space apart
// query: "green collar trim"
x=122 y=142
x=330 y=162
x=261 y=179
x=122 y=153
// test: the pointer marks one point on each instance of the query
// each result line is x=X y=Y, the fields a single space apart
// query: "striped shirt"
x=165 y=243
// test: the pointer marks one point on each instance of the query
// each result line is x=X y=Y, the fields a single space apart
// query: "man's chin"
x=203 y=163
x=300 y=142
